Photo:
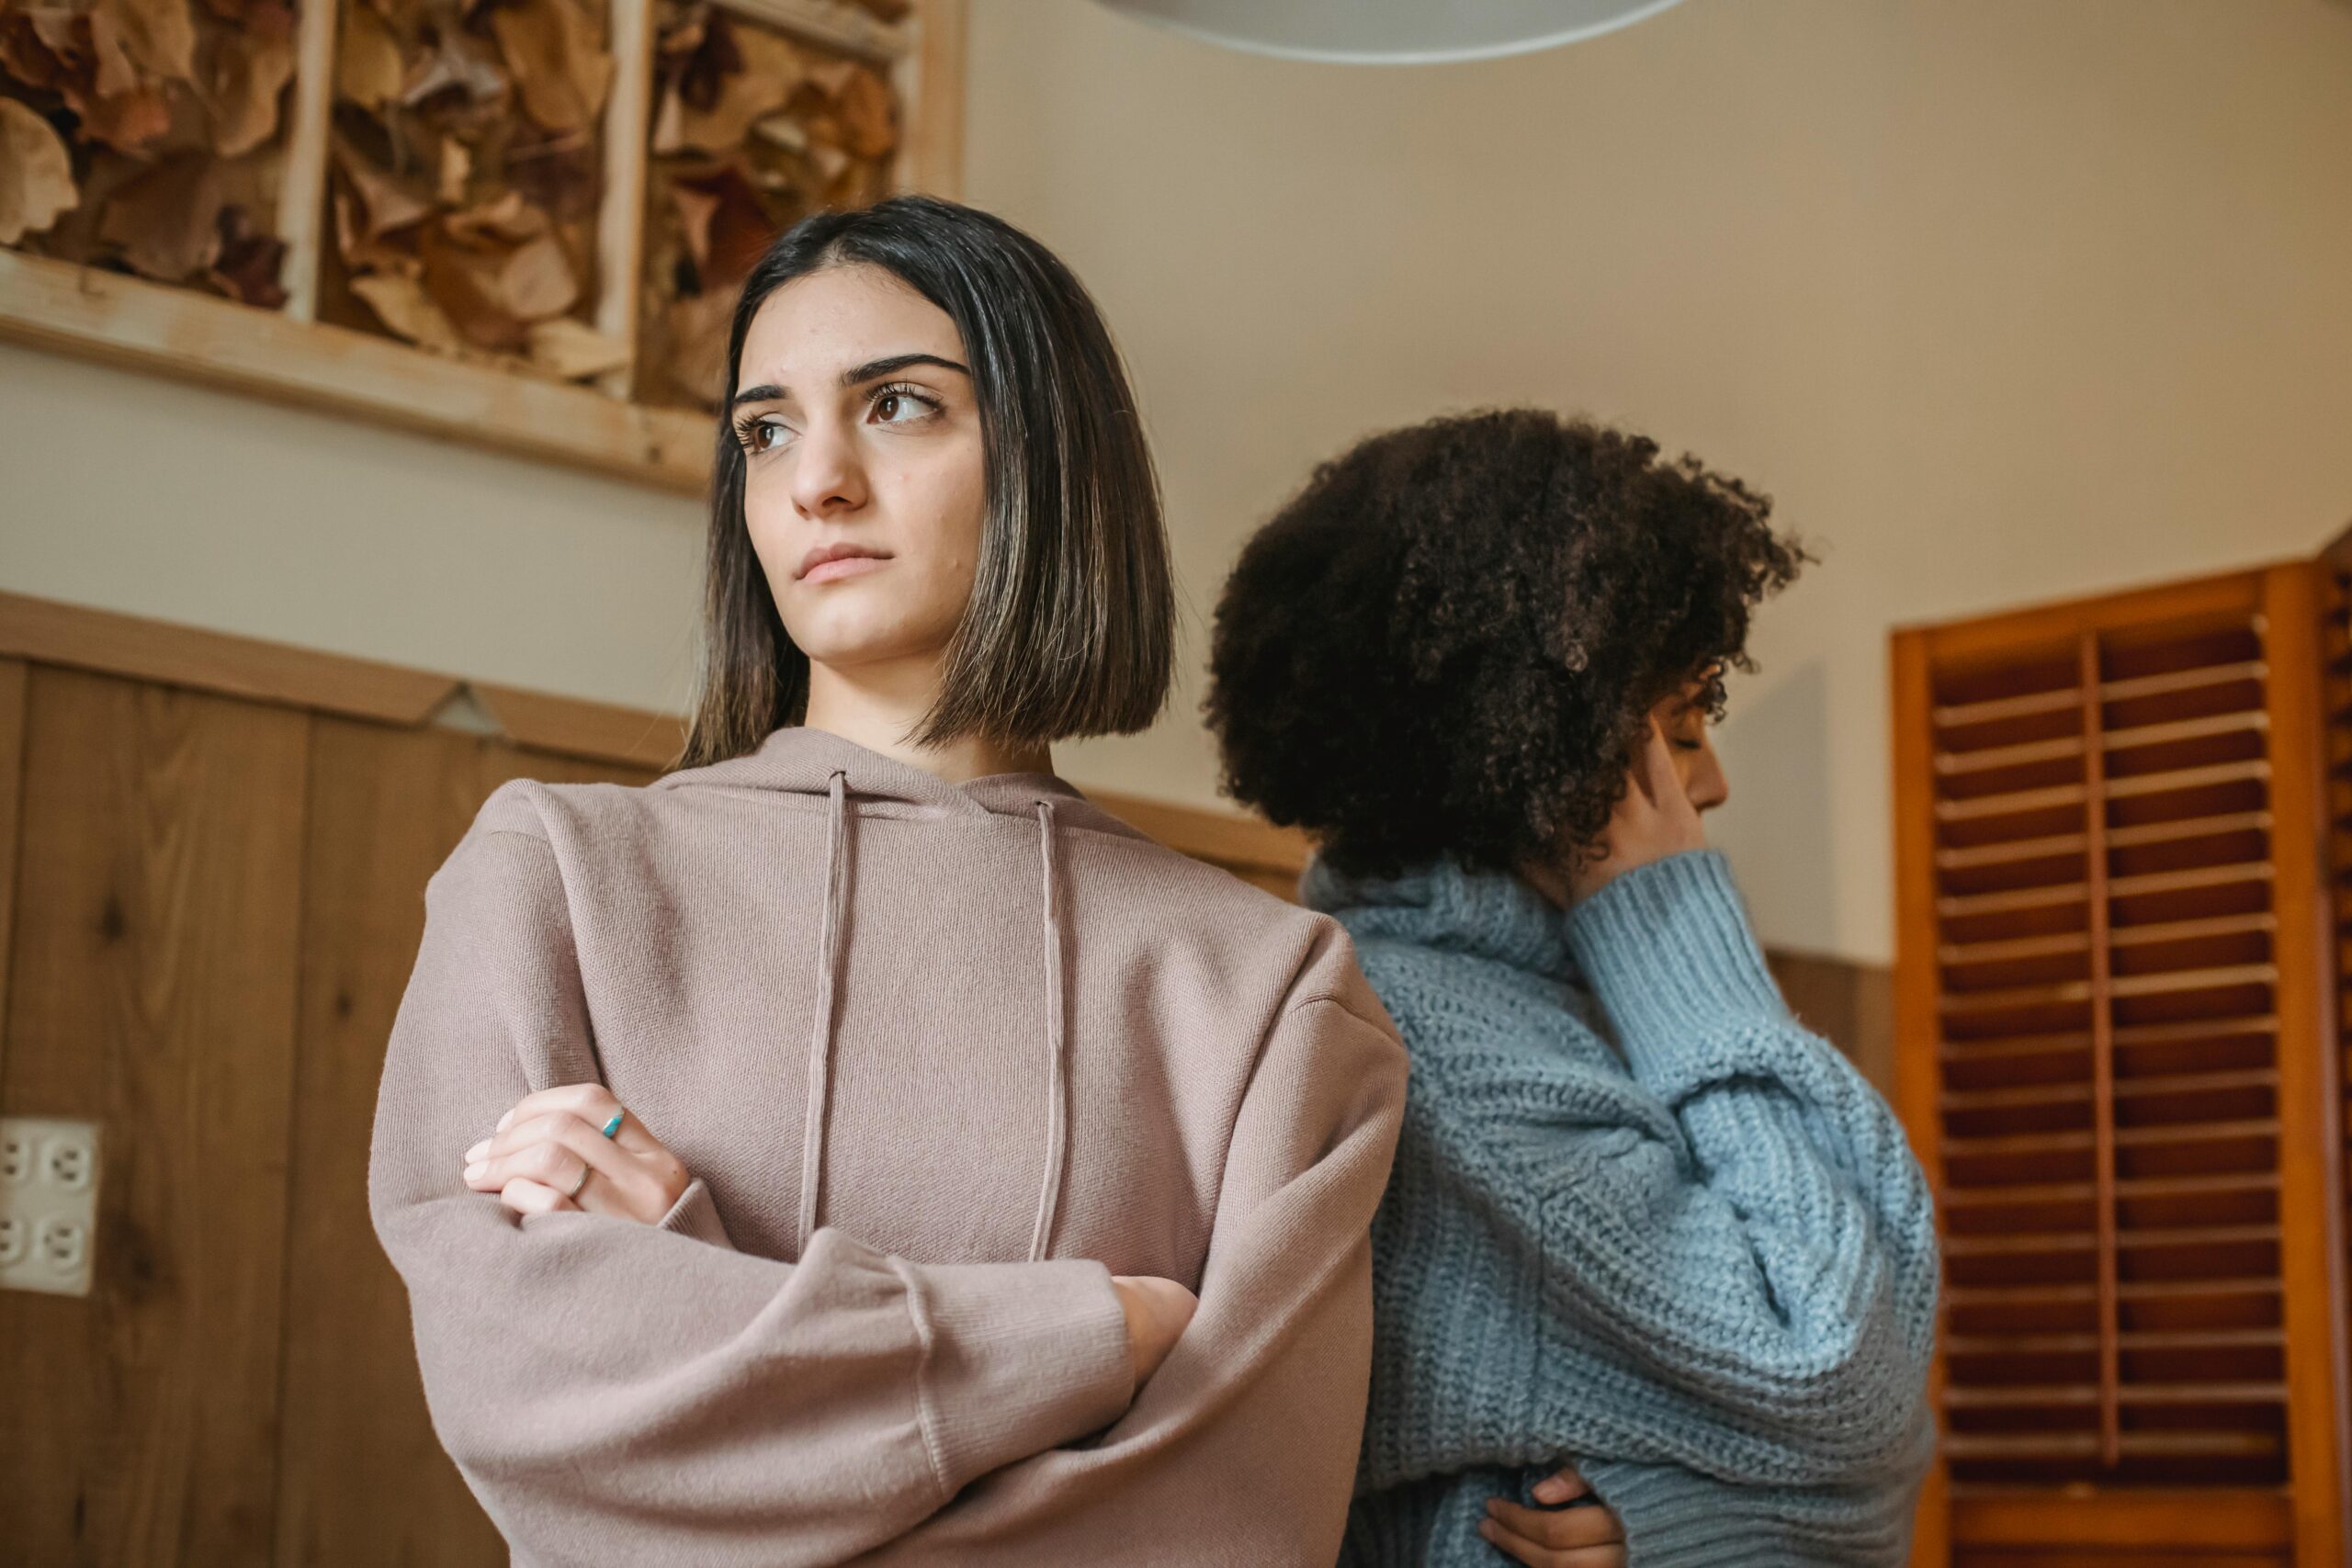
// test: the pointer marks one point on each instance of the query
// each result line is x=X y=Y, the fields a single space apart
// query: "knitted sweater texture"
x=1641 y=1220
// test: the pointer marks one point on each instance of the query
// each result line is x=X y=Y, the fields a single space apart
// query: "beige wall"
x=2000 y=299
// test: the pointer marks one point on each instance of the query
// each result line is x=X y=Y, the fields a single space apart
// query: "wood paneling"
x=387 y=806
x=50 y=632
x=13 y=679
x=154 y=993
x=1849 y=1004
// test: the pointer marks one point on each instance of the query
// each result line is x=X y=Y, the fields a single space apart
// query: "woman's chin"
x=846 y=646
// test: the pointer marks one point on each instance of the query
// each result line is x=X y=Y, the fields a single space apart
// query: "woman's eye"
x=900 y=407
x=758 y=435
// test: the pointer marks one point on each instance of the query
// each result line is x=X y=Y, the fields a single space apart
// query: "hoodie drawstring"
x=821 y=1047
x=830 y=942
x=1056 y=1091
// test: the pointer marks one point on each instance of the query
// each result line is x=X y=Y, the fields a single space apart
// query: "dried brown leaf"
x=115 y=74
x=737 y=230
x=457 y=168
x=508 y=218
x=698 y=329
x=861 y=105
x=250 y=74
x=36 y=173
x=159 y=36
x=361 y=253
x=167 y=221
x=388 y=201
x=130 y=120
x=367 y=69
x=54 y=27
x=536 y=281
x=557 y=60
x=250 y=261
x=494 y=292
x=771 y=70
x=564 y=177
x=459 y=62
x=401 y=304
x=571 y=351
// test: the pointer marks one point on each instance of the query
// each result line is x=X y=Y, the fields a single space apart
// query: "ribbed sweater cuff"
x=1668 y=950
x=1670 y=1519
x=1020 y=1358
x=695 y=1215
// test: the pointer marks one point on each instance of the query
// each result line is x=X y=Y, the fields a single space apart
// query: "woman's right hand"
x=1158 y=1311
x=1653 y=818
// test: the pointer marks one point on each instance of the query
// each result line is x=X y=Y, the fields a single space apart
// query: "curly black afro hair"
x=1450 y=640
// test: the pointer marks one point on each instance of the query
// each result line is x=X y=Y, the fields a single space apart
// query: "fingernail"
x=1550 y=1491
x=474 y=1170
x=503 y=1120
x=478 y=1151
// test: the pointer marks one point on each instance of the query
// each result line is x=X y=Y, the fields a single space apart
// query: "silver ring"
x=586 y=1170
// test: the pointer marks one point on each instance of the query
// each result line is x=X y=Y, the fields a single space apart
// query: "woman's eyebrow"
x=875 y=369
x=855 y=375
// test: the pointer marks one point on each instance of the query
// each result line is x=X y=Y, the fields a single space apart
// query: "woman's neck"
x=878 y=708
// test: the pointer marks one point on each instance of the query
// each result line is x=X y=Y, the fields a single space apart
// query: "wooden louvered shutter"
x=2116 y=1054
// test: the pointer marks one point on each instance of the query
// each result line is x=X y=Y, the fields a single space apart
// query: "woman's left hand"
x=1589 y=1537
x=549 y=1156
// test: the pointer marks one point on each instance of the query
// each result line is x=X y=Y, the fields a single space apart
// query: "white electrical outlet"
x=49 y=1204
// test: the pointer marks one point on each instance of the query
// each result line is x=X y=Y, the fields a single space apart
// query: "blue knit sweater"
x=1640 y=1220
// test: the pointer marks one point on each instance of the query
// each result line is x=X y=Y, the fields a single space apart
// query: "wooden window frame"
x=2303 y=1521
x=289 y=355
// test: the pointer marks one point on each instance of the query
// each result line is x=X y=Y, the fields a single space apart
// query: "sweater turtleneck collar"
x=1443 y=905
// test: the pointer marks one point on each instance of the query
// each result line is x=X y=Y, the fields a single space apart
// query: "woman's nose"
x=1707 y=786
x=827 y=478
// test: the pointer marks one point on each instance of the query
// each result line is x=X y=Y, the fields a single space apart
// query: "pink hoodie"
x=1043 y=1050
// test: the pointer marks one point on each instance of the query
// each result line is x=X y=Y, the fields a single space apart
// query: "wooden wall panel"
x=387 y=806
x=1849 y=1004
x=154 y=993
x=13 y=676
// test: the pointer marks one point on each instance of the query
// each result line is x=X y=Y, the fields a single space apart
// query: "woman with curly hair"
x=1648 y=1241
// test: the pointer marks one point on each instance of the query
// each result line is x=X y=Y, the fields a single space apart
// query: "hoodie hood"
x=853 y=781
x=800 y=761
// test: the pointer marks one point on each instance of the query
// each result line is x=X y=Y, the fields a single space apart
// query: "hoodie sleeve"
x=616 y=1392
x=1241 y=1448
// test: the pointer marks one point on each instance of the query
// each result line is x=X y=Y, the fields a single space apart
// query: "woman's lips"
x=842 y=566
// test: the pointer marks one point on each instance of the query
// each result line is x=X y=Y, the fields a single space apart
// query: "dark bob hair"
x=1072 y=622
x=1449 y=641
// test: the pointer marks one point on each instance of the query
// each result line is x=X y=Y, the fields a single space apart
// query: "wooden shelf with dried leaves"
x=514 y=222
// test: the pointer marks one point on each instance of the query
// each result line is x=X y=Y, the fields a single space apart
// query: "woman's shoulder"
x=525 y=823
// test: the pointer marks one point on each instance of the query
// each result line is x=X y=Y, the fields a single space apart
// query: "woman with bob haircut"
x=1648 y=1239
x=855 y=1145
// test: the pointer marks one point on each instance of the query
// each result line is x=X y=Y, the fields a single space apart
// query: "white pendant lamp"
x=1391 y=32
